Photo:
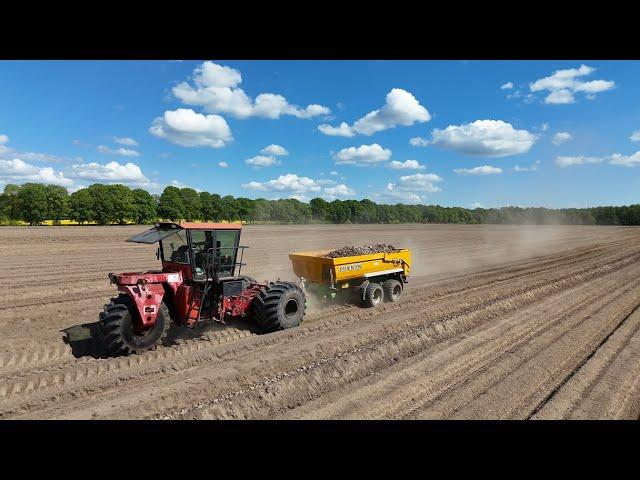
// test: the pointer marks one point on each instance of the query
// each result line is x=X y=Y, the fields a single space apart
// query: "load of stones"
x=364 y=250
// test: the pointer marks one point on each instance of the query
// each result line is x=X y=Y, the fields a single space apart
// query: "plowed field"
x=538 y=322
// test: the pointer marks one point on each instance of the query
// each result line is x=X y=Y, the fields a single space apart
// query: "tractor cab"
x=200 y=251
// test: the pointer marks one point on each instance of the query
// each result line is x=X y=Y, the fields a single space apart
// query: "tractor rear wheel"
x=279 y=306
x=373 y=295
x=392 y=290
x=116 y=327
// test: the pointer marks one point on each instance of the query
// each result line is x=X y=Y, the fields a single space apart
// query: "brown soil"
x=497 y=322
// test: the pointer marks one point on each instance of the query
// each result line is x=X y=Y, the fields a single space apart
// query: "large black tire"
x=373 y=295
x=392 y=290
x=279 y=306
x=116 y=328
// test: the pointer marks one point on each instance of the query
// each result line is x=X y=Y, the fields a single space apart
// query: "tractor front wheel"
x=116 y=327
x=279 y=306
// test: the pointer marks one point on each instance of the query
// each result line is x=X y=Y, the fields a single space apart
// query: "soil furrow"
x=590 y=391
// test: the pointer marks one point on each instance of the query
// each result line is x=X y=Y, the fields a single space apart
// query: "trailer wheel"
x=373 y=295
x=392 y=290
x=279 y=306
x=116 y=328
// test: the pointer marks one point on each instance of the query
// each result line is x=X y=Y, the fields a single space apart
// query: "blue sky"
x=485 y=133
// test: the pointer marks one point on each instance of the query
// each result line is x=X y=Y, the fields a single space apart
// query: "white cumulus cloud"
x=190 y=129
x=400 y=108
x=274 y=149
x=19 y=171
x=262 y=161
x=128 y=141
x=216 y=89
x=489 y=138
x=406 y=165
x=625 y=160
x=343 y=130
x=507 y=86
x=635 y=136
x=559 y=97
x=112 y=172
x=531 y=168
x=338 y=191
x=483 y=170
x=398 y=196
x=562 y=85
x=564 y=162
x=613 y=159
x=418 y=182
x=362 y=155
x=10 y=153
x=125 y=152
x=289 y=182
x=561 y=137
x=419 y=142
x=300 y=188
x=409 y=189
x=223 y=164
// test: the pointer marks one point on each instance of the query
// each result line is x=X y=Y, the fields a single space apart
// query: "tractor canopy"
x=163 y=230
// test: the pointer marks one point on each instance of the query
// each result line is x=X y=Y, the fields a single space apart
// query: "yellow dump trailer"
x=373 y=277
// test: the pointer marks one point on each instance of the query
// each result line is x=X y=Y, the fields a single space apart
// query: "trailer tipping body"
x=317 y=267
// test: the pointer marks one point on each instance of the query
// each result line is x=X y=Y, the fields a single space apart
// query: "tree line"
x=108 y=204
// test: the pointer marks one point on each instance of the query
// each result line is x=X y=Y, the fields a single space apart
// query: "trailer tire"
x=279 y=306
x=116 y=328
x=373 y=295
x=392 y=290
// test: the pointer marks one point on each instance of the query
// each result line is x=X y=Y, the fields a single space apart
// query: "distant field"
x=496 y=322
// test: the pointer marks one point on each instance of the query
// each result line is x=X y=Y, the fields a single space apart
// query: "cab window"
x=225 y=251
x=202 y=242
x=175 y=248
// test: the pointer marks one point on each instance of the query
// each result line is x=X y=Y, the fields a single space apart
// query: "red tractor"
x=200 y=280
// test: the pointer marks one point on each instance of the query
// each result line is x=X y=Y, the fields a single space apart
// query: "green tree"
x=4 y=214
x=319 y=209
x=262 y=210
x=81 y=206
x=192 y=208
x=229 y=208
x=170 y=206
x=368 y=212
x=206 y=206
x=32 y=203
x=340 y=212
x=57 y=203
x=122 y=203
x=9 y=202
x=144 y=206
x=246 y=209
x=103 y=204
x=216 y=207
